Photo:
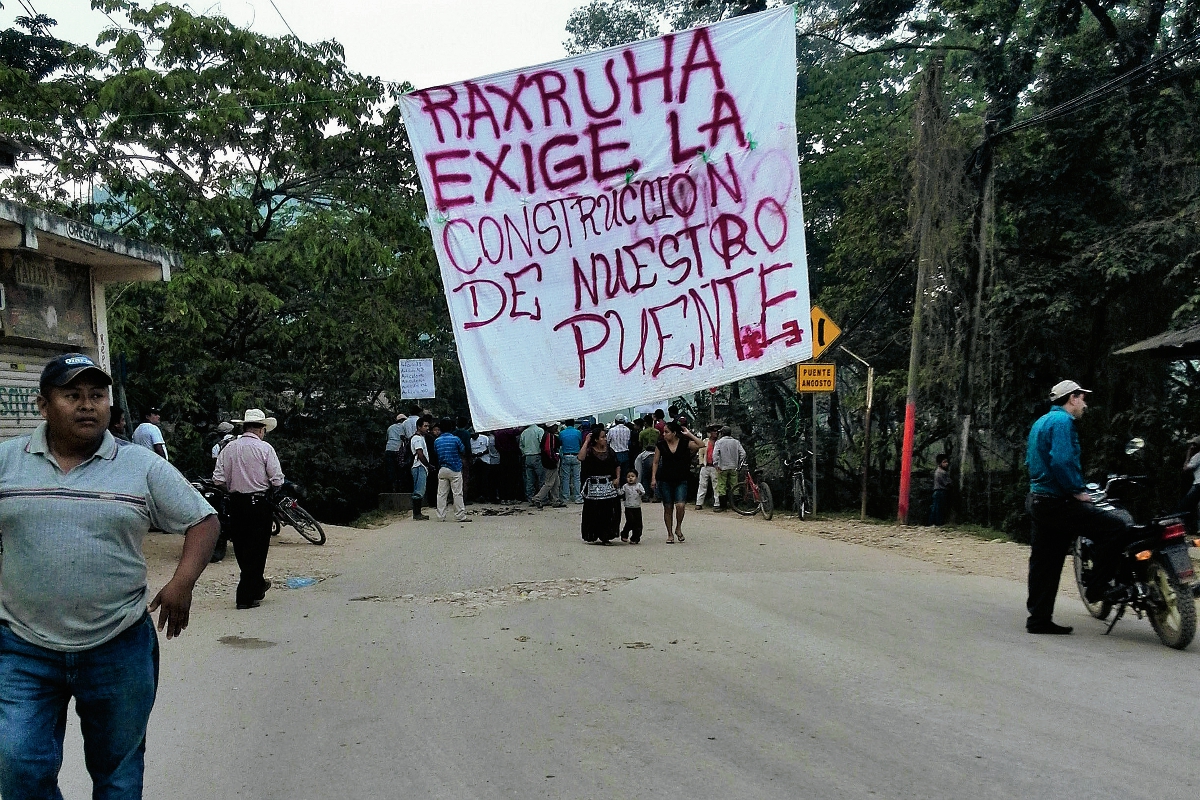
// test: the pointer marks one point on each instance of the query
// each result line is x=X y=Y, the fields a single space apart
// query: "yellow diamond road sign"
x=815 y=377
x=824 y=331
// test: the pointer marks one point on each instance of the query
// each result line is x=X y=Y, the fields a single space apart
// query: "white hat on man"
x=1064 y=388
x=255 y=416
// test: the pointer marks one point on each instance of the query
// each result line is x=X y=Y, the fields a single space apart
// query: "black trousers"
x=250 y=531
x=1057 y=521
x=633 y=524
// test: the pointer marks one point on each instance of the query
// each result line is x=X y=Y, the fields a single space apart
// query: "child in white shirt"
x=632 y=493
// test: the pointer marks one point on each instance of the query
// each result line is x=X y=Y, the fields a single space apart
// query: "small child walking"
x=631 y=497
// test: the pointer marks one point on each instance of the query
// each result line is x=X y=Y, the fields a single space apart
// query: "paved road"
x=747 y=663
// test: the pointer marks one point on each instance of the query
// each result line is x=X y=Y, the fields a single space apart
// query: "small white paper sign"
x=416 y=379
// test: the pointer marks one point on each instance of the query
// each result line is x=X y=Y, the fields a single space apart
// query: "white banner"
x=620 y=226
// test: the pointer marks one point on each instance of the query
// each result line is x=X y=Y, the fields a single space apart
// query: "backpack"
x=549 y=452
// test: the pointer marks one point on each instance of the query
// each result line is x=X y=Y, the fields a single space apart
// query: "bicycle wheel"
x=743 y=501
x=305 y=525
x=765 y=502
x=804 y=501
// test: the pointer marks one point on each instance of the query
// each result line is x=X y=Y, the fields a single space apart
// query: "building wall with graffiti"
x=20 y=369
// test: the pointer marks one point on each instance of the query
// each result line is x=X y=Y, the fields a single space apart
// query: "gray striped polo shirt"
x=72 y=574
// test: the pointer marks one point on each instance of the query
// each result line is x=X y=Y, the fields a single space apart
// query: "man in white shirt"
x=618 y=442
x=149 y=435
x=420 y=465
x=225 y=431
x=247 y=469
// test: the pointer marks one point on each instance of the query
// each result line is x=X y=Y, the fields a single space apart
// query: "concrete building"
x=53 y=274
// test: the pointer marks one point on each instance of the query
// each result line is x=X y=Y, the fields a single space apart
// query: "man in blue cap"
x=74 y=621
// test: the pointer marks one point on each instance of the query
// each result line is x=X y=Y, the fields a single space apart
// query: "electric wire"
x=1104 y=90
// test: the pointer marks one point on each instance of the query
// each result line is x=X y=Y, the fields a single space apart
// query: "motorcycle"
x=1154 y=575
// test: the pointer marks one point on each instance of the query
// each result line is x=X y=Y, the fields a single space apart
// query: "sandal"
x=679 y=536
x=670 y=540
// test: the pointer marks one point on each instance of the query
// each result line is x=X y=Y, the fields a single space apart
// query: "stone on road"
x=506 y=658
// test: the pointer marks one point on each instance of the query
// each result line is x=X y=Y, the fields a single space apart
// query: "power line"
x=1094 y=96
x=248 y=107
x=285 y=22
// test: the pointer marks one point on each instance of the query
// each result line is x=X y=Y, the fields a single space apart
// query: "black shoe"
x=218 y=554
x=1050 y=628
x=266 y=588
x=244 y=606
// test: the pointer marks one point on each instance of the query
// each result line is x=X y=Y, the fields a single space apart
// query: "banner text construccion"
x=620 y=226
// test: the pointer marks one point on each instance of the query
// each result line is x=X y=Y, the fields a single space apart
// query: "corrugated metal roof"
x=1177 y=345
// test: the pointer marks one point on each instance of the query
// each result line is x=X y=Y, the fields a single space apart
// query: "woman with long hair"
x=600 y=474
x=669 y=475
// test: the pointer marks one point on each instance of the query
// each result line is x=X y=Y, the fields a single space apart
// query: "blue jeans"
x=937 y=512
x=420 y=476
x=671 y=494
x=535 y=475
x=568 y=469
x=114 y=686
x=624 y=462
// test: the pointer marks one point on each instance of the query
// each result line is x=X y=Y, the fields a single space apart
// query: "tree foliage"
x=285 y=181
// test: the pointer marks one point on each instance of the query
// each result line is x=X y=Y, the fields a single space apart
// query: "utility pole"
x=925 y=214
x=866 y=464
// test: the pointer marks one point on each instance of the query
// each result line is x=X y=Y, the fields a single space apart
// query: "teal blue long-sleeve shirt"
x=1053 y=455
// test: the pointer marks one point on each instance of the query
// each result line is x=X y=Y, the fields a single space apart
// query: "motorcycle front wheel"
x=1100 y=609
x=1174 y=612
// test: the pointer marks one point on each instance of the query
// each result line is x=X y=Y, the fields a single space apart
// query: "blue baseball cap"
x=69 y=366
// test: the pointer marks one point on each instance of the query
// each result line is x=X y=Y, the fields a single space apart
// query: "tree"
x=285 y=181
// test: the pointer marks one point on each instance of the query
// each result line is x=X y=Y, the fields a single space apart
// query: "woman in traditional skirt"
x=599 y=473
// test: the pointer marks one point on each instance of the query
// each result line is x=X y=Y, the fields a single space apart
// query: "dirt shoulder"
x=960 y=552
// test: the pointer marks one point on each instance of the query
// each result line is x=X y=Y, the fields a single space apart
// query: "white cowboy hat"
x=255 y=416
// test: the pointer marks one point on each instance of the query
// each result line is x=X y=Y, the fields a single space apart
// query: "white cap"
x=1064 y=388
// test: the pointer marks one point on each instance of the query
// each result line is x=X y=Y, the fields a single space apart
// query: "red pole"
x=910 y=429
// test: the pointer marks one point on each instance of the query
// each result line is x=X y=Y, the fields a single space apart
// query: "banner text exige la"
x=620 y=226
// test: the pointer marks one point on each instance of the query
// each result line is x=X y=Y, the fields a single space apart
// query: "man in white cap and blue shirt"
x=1060 y=507
x=248 y=469
x=74 y=621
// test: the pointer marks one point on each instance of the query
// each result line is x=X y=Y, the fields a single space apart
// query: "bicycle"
x=286 y=510
x=802 y=501
x=748 y=496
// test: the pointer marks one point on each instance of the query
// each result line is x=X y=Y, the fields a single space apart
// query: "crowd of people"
x=609 y=470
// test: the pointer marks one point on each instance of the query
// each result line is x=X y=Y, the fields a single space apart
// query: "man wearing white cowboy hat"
x=247 y=468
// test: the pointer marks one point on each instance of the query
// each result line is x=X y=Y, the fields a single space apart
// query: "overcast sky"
x=426 y=42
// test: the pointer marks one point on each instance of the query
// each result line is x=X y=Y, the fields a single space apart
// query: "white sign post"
x=620 y=226
x=416 y=379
